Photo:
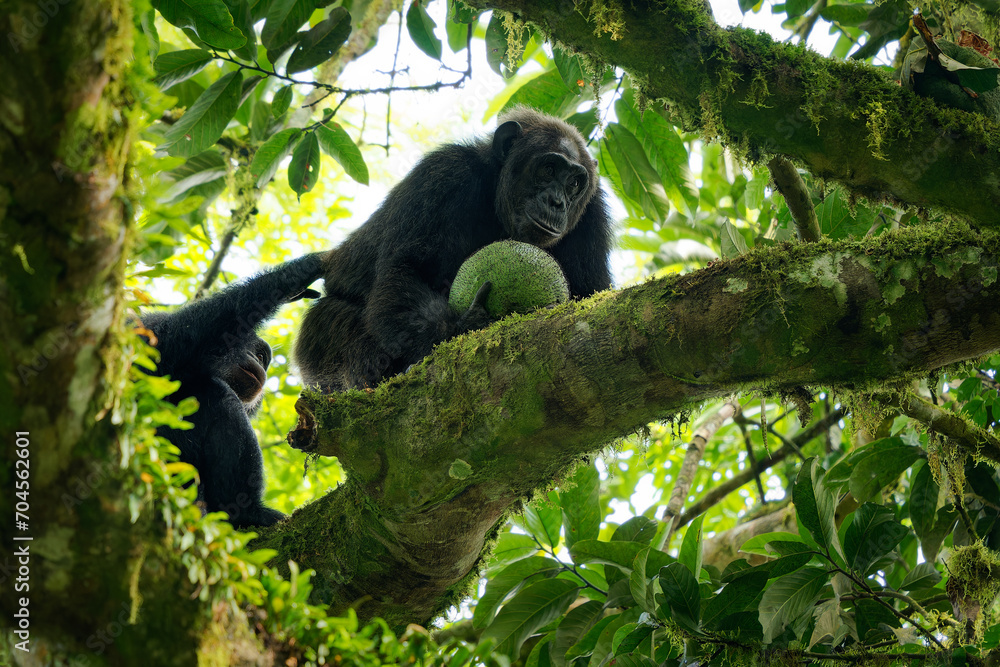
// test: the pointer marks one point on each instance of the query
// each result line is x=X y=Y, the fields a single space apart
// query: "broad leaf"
x=924 y=575
x=284 y=18
x=510 y=580
x=681 y=595
x=873 y=473
x=574 y=627
x=178 y=66
x=421 y=26
x=543 y=521
x=510 y=547
x=303 y=171
x=532 y=608
x=209 y=19
x=636 y=529
x=203 y=124
x=873 y=534
x=639 y=180
x=690 y=554
x=338 y=145
x=739 y=595
x=496 y=45
x=788 y=598
x=579 y=498
x=815 y=505
x=282 y=100
x=269 y=156
x=321 y=42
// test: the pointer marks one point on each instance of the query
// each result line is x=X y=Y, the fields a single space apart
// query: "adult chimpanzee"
x=387 y=285
x=212 y=347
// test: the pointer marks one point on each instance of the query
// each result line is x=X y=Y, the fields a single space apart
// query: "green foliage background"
x=894 y=550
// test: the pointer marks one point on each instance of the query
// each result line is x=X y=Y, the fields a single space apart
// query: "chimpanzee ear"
x=504 y=138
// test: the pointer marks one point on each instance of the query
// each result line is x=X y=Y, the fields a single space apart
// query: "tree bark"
x=842 y=120
x=436 y=458
x=83 y=563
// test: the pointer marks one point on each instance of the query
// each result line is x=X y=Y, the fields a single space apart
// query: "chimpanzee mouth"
x=551 y=231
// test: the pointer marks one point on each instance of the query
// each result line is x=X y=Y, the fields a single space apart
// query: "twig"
x=727 y=487
x=689 y=467
x=793 y=189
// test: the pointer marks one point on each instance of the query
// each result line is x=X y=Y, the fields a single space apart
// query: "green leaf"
x=178 y=66
x=532 y=608
x=460 y=18
x=642 y=593
x=243 y=19
x=510 y=547
x=496 y=44
x=579 y=498
x=209 y=19
x=636 y=529
x=790 y=597
x=574 y=626
x=747 y=5
x=639 y=180
x=546 y=93
x=269 y=156
x=589 y=641
x=284 y=18
x=924 y=575
x=616 y=554
x=627 y=639
x=815 y=506
x=846 y=15
x=282 y=100
x=873 y=534
x=977 y=79
x=203 y=123
x=690 y=554
x=664 y=148
x=872 y=473
x=733 y=244
x=544 y=522
x=570 y=68
x=870 y=616
x=197 y=170
x=540 y=655
x=758 y=544
x=681 y=594
x=421 y=26
x=739 y=595
x=321 y=42
x=510 y=580
x=338 y=145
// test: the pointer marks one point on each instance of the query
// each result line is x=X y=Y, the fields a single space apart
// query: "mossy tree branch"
x=842 y=120
x=437 y=457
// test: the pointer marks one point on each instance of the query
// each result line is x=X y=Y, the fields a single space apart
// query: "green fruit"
x=524 y=277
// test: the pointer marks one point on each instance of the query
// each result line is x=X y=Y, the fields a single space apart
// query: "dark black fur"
x=212 y=347
x=387 y=285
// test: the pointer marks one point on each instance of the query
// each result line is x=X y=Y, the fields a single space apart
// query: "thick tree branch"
x=438 y=456
x=842 y=120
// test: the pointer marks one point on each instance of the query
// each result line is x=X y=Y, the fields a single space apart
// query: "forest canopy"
x=773 y=441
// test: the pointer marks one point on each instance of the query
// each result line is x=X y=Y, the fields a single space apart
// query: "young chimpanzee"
x=211 y=346
x=386 y=301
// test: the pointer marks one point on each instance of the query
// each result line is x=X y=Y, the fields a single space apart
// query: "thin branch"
x=793 y=189
x=689 y=467
x=952 y=425
x=724 y=489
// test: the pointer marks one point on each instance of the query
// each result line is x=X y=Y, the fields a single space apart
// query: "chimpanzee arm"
x=231 y=316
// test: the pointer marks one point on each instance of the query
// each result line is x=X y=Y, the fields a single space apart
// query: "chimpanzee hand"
x=476 y=316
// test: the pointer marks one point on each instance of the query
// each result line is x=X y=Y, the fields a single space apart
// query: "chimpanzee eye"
x=546 y=171
x=575 y=184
